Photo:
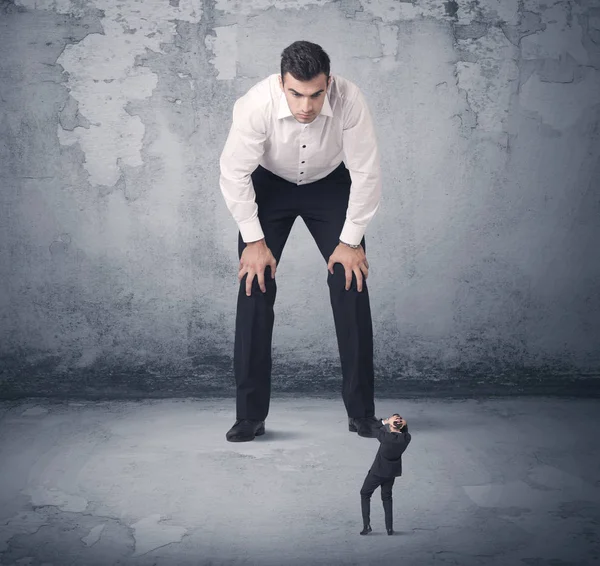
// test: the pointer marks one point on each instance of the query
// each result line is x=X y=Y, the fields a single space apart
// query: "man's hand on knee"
x=255 y=258
x=354 y=261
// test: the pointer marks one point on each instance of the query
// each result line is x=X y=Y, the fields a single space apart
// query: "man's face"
x=305 y=98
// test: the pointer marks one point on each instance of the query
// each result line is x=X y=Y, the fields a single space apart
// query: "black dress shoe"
x=390 y=531
x=244 y=430
x=366 y=530
x=365 y=426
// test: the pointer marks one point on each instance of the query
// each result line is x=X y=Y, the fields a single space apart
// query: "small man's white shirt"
x=264 y=132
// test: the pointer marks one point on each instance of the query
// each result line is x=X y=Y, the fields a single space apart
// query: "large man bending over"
x=302 y=144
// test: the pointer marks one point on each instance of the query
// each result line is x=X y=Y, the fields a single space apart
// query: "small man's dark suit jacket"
x=388 y=461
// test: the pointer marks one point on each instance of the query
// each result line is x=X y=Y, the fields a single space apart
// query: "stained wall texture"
x=118 y=256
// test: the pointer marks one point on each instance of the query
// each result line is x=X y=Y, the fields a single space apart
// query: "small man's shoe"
x=245 y=430
x=366 y=530
x=390 y=531
x=365 y=426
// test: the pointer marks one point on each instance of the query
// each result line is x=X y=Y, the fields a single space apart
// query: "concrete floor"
x=494 y=482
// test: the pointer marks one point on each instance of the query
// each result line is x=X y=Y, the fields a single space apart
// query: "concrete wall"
x=118 y=256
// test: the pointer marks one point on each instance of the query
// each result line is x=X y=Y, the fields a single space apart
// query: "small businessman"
x=394 y=437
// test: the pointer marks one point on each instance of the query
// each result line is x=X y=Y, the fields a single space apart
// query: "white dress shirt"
x=264 y=132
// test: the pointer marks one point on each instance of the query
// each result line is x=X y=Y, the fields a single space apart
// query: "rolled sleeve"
x=363 y=162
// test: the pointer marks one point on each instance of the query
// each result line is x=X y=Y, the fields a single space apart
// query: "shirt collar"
x=326 y=110
x=284 y=109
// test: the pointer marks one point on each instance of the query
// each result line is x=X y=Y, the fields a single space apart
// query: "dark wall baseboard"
x=326 y=382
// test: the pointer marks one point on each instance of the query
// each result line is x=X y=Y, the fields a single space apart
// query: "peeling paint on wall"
x=560 y=105
x=246 y=7
x=487 y=116
x=490 y=79
x=104 y=77
x=224 y=45
x=561 y=33
x=392 y=11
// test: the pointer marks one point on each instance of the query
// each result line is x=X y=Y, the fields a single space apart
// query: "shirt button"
x=302 y=173
x=303 y=161
x=303 y=146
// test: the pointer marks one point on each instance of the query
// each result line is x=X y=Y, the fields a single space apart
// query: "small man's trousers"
x=371 y=483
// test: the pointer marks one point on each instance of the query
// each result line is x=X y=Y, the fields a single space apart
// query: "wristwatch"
x=353 y=246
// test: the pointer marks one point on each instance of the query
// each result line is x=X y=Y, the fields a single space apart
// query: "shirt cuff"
x=251 y=231
x=352 y=233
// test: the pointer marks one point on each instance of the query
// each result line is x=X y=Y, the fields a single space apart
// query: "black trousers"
x=371 y=483
x=322 y=205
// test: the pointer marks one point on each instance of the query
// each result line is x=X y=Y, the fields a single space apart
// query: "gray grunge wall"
x=118 y=257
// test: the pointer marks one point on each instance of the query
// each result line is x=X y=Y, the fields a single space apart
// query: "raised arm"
x=399 y=437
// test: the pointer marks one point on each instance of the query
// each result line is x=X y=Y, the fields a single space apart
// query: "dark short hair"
x=304 y=61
